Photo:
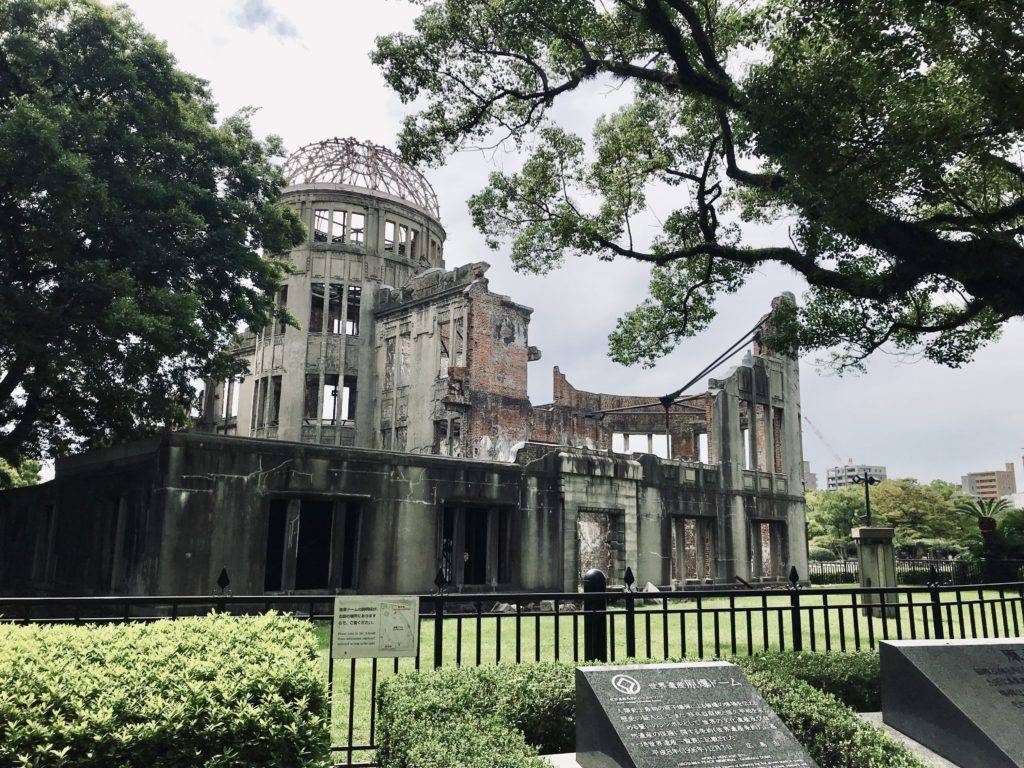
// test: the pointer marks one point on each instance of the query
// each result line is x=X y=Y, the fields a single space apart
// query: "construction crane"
x=816 y=431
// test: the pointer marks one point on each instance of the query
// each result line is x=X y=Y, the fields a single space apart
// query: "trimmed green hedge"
x=212 y=691
x=506 y=715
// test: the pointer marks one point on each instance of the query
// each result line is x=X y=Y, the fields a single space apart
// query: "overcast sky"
x=305 y=65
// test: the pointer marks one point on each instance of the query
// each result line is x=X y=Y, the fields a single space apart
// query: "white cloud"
x=257 y=14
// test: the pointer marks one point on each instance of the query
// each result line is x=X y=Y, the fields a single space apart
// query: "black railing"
x=475 y=629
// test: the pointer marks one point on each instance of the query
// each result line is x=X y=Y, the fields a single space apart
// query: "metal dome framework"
x=360 y=164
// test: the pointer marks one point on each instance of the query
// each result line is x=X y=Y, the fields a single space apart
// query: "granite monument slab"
x=963 y=699
x=692 y=715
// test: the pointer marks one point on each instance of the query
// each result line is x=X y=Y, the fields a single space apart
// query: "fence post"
x=936 y=603
x=595 y=627
x=794 y=611
x=630 y=615
x=438 y=628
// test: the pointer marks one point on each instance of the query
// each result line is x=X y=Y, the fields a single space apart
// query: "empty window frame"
x=316 y=308
x=459 y=352
x=261 y=402
x=356 y=228
x=444 y=347
x=254 y=415
x=748 y=464
x=441 y=437
x=338 y=227
x=414 y=243
x=779 y=446
x=281 y=305
x=355 y=296
x=403 y=238
x=275 y=401
x=401 y=437
x=389 y=236
x=335 y=299
x=311 y=398
x=230 y=393
x=455 y=436
x=331 y=397
x=321 y=225
x=703 y=448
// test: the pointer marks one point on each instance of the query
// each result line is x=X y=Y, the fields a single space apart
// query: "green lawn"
x=725 y=626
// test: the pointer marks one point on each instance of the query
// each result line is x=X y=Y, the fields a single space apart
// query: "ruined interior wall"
x=570 y=419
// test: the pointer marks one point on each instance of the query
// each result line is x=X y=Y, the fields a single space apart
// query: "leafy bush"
x=836 y=576
x=850 y=677
x=504 y=715
x=830 y=731
x=212 y=691
x=821 y=555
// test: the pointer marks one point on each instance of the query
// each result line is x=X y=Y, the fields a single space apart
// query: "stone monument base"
x=875 y=718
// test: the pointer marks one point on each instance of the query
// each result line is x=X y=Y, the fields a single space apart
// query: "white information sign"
x=375 y=626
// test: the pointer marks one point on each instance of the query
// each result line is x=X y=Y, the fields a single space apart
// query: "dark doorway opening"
x=350 y=553
x=276 y=525
x=313 y=551
x=475 y=548
x=448 y=544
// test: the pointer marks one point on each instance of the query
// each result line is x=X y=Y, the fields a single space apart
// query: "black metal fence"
x=920 y=572
x=472 y=629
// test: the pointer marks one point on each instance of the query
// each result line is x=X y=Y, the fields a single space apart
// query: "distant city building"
x=842 y=477
x=990 y=485
x=1016 y=500
x=810 y=479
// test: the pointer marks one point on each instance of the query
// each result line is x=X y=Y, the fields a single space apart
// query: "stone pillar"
x=877 y=560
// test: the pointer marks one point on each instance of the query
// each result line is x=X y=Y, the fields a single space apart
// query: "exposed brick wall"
x=498 y=354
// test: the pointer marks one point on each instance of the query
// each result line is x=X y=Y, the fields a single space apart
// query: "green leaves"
x=883 y=138
x=216 y=691
x=137 y=233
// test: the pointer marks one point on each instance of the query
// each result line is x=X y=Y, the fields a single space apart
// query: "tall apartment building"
x=842 y=477
x=990 y=485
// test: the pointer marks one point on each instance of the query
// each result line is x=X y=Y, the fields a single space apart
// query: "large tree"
x=133 y=229
x=883 y=140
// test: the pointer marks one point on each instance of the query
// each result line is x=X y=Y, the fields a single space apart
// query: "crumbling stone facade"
x=387 y=435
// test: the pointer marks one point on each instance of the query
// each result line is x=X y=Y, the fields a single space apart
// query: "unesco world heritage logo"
x=626 y=684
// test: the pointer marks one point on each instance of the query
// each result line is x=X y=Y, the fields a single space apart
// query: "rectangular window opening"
x=414 y=243
x=282 y=305
x=334 y=302
x=460 y=342
x=338 y=227
x=456 y=438
x=356 y=228
x=403 y=237
x=275 y=401
x=321 y=225
x=389 y=236
x=355 y=295
x=348 y=398
x=746 y=448
x=441 y=437
x=330 y=400
x=311 y=399
x=316 y=308
x=703 y=448
x=444 y=347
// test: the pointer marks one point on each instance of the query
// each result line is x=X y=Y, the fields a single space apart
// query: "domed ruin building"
x=387 y=437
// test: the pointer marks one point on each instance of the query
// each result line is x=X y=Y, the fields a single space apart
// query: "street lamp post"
x=868 y=480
